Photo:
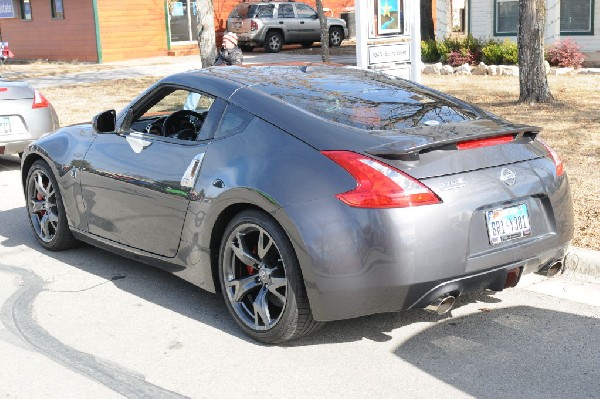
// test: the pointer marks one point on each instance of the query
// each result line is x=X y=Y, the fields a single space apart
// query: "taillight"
x=469 y=144
x=2 y=89
x=253 y=25
x=379 y=185
x=39 y=101
x=558 y=163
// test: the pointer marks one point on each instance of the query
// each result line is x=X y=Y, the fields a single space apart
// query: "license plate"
x=508 y=223
x=5 y=125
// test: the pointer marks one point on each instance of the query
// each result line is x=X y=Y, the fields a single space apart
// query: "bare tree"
x=324 y=32
x=532 y=74
x=206 y=32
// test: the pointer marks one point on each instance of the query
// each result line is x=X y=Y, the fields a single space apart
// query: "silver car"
x=25 y=114
x=271 y=25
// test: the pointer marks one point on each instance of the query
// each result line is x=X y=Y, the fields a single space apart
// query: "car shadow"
x=170 y=292
x=511 y=352
x=10 y=162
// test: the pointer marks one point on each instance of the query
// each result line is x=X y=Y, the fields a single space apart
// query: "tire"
x=261 y=280
x=336 y=36
x=246 y=49
x=45 y=208
x=273 y=42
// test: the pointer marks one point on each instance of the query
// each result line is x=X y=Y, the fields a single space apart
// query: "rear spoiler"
x=408 y=144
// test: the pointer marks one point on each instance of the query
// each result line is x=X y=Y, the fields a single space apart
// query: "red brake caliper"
x=249 y=268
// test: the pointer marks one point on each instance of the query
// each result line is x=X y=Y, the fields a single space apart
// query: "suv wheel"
x=273 y=42
x=336 y=35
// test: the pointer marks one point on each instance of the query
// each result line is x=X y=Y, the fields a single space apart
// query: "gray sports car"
x=25 y=114
x=306 y=193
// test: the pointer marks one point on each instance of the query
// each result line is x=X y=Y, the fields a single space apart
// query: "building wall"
x=482 y=24
x=132 y=29
x=72 y=38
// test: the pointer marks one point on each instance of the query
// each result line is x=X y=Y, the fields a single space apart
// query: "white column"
x=362 y=32
x=415 y=40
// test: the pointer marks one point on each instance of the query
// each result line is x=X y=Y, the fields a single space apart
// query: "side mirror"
x=105 y=122
x=315 y=16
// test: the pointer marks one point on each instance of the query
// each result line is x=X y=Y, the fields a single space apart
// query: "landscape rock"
x=433 y=69
x=508 y=70
x=547 y=67
x=561 y=71
x=464 y=69
x=492 y=70
x=480 y=69
x=447 y=70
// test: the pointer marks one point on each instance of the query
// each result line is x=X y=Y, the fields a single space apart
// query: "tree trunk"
x=324 y=32
x=427 y=31
x=532 y=74
x=206 y=32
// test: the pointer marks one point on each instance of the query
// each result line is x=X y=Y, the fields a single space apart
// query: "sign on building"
x=388 y=36
x=7 y=10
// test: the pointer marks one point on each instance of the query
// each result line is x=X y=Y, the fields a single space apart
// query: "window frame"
x=583 y=33
x=495 y=22
x=22 y=10
x=53 y=12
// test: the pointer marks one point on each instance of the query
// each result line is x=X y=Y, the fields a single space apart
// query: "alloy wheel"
x=254 y=277
x=42 y=207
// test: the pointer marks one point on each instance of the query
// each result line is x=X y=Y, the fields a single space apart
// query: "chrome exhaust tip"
x=554 y=269
x=441 y=305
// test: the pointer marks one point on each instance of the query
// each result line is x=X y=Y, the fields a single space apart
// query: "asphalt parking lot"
x=86 y=323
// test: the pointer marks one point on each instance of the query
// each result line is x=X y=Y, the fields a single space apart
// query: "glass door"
x=182 y=21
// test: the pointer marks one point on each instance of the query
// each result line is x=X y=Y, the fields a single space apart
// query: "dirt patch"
x=571 y=125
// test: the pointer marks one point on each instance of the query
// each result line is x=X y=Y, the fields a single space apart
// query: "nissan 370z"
x=306 y=193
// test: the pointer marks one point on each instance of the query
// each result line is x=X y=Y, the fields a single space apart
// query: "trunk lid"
x=15 y=91
x=432 y=151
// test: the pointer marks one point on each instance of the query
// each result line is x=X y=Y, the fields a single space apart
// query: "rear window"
x=377 y=103
x=252 y=11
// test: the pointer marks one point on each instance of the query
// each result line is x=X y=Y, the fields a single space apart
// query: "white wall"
x=482 y=24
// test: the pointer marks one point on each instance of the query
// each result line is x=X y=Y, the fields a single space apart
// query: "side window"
x=234 y=121
x=173 y=112
x=286 y=11
x=265 y=11
x=305 y=11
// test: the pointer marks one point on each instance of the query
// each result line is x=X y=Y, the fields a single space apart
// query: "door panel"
x=133 y=192
x=309 y=29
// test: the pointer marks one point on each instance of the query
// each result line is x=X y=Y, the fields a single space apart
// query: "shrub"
x=458 y=58
x=429 y=52
x=565 y=53
x=500 y=53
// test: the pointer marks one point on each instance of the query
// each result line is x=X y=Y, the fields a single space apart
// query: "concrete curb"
x=583 y=261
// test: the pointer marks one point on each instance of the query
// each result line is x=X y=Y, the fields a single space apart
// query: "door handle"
x=191 y=173
x=301 y=22
x=280 y=22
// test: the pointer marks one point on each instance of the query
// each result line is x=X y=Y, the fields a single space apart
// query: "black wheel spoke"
x=243 y=286
x=240 y=248
x=261 y=309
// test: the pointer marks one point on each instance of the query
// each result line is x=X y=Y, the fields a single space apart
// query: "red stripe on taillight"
x=379 y=185
x=558 y=163
x=39 y=101
x=3 y=89
x=467 y=145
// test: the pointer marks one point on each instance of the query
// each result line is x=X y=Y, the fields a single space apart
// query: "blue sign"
x=6 y=9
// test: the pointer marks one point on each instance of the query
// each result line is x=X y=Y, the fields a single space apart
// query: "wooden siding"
x=132 y=29
x=69 y=39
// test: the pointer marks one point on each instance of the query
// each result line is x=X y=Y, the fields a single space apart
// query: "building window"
x=57 y=9
x=506 y=17
x=25 y=9
x=577 y=17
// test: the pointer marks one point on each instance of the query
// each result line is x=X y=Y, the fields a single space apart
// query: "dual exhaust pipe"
x=444 y=304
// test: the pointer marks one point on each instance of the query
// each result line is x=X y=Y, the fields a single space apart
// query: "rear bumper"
x=14 y=147
x=357 y=262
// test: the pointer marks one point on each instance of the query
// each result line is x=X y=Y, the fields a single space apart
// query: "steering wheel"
x=182 y=124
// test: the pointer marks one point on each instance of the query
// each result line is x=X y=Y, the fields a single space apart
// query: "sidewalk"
x=155 y=66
